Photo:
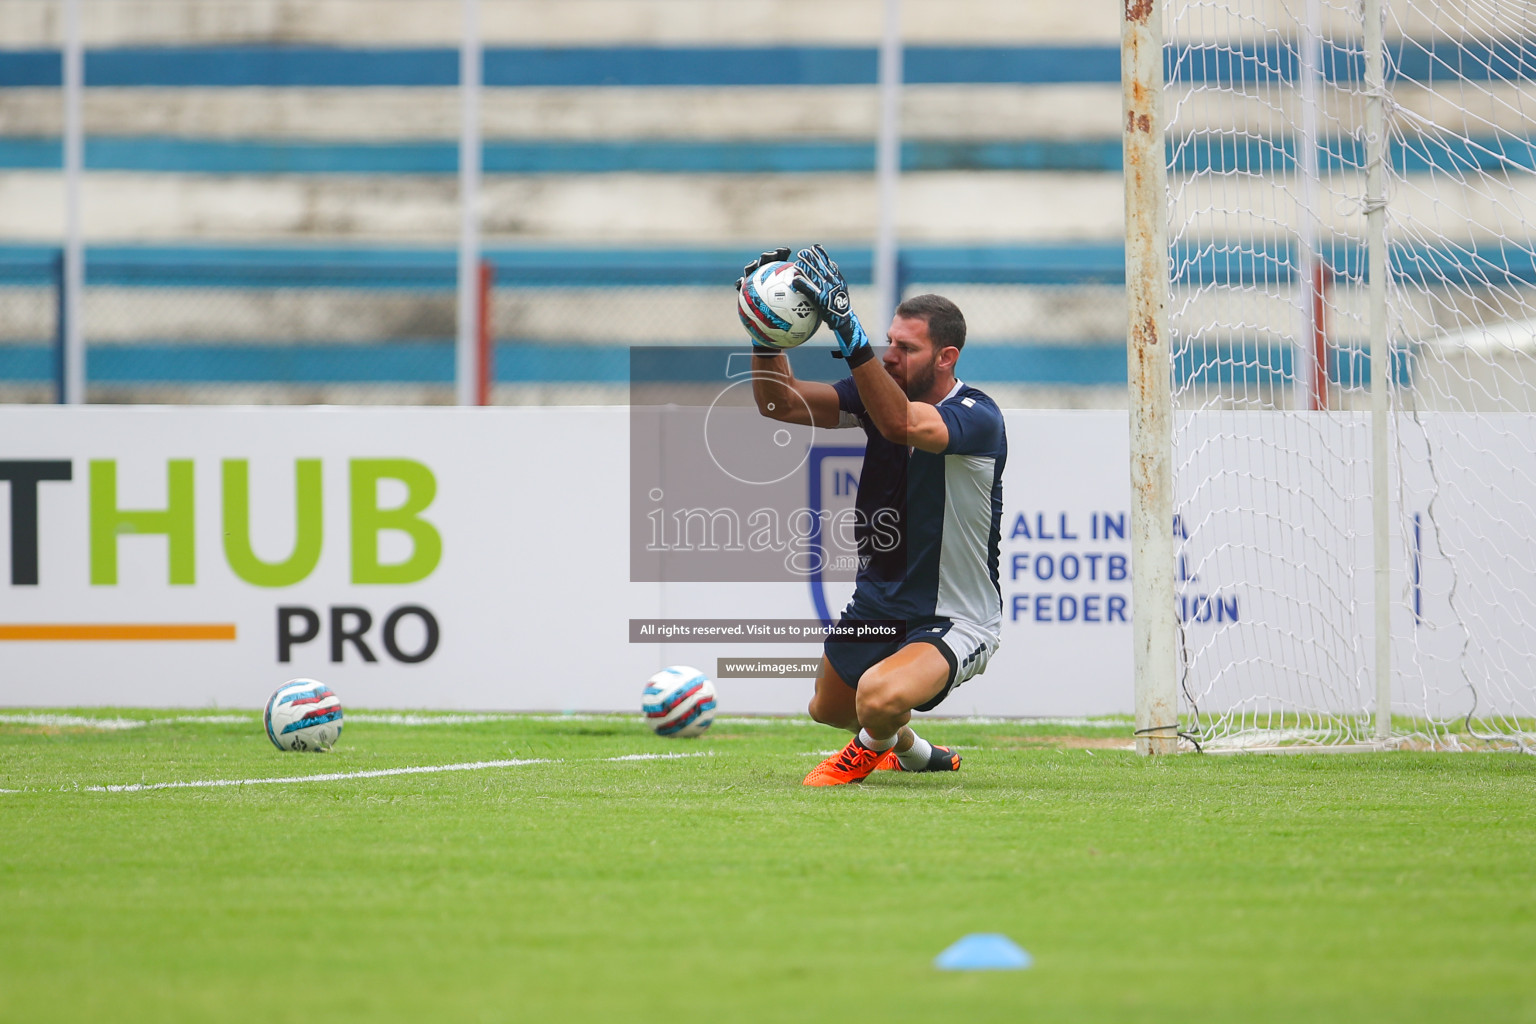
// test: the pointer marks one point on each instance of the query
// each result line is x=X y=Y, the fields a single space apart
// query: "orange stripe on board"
x=120 y=631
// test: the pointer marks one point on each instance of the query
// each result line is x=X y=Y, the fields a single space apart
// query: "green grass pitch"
x=1386 y=887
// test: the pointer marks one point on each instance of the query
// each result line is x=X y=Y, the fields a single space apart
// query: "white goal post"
x=1331 y=284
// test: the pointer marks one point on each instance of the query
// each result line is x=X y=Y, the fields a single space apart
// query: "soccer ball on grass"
x=678 y=701
x=303 y=715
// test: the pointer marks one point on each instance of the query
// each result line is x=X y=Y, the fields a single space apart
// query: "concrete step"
x=555 y=22
x=576 y=316
x=610 y=209
x=428 y=112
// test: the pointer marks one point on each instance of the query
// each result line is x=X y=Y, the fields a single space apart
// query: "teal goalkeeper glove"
x=824 y=284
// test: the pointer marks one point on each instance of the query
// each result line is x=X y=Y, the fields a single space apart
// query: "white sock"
x=916 y=756
x=873 y=744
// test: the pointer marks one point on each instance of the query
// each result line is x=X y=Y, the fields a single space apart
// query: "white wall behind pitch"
x=532 y=593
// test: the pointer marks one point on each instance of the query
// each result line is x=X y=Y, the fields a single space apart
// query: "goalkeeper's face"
x=912 y=359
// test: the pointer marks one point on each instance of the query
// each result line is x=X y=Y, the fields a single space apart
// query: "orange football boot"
x=851 y=764
x=888 y=762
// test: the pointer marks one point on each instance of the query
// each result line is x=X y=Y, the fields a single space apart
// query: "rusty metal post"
x=1154 y=622
x=1318 y=287
x=1311 y=376
x=485 y=341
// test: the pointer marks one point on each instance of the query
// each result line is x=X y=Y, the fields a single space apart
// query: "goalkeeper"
x=933 y=469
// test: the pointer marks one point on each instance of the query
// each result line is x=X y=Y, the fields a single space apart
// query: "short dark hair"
x=946 y=324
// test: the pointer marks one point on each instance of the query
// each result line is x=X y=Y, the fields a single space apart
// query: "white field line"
x=456 y=718
x=839 y=750
x=376 y=718
x=467 y=766
x=460 y=718
x=660 y=757
x=1067 y=723
x=372 y=718
x=74 y=722
x=395 y=718
x=377 y=773
x=117 y=724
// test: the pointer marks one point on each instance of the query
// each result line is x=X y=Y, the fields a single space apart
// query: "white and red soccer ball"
x=678 y=701
x=303 y=715
x=772 y=311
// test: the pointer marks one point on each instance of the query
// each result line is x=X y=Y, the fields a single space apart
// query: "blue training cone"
x=983 y=951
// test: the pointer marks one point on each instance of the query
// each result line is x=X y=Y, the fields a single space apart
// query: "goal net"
x=1273 y=319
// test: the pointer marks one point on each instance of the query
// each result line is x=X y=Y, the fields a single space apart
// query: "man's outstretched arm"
x=897 y=417
x=781 y=397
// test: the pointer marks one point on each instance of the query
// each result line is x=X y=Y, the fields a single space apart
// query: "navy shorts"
x=966 y=646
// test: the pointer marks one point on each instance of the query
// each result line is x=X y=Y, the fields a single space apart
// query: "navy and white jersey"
x=930 y=523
